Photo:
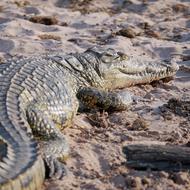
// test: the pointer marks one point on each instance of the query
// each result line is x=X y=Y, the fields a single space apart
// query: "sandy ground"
x=146 y=29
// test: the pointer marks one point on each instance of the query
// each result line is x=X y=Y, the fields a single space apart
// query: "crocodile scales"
x=40 y=95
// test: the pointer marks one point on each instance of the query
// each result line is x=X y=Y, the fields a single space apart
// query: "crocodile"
x=40 y=95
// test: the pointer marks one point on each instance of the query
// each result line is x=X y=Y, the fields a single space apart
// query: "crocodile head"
x=119 y=70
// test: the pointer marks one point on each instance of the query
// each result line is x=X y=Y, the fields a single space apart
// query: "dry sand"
x=146 y=29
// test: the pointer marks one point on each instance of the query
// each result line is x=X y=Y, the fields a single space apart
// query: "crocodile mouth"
x=128 y=76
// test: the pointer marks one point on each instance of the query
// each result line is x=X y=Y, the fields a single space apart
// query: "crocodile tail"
x=21 y=167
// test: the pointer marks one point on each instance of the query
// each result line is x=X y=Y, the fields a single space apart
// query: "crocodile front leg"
x=45 y=121
x=102 y=99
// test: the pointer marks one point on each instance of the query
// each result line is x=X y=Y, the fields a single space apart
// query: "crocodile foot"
x=55 y=168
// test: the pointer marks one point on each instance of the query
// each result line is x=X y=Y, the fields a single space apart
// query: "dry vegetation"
x=46 y=20
x=49 y=37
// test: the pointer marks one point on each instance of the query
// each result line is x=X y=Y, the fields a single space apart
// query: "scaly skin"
x=39 y=95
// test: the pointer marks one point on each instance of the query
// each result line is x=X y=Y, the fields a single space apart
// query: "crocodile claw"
x=55 y=168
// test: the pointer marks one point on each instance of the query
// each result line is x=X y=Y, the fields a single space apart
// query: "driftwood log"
x=157 y=157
